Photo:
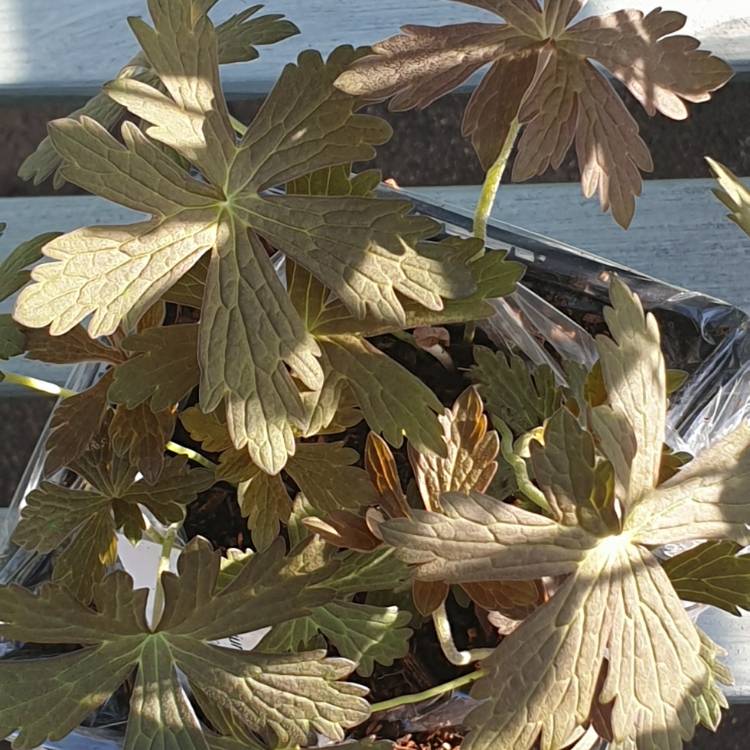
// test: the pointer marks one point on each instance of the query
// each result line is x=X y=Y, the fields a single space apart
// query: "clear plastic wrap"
x=563 y=290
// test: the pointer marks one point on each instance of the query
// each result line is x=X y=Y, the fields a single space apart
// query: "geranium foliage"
x=284 y=359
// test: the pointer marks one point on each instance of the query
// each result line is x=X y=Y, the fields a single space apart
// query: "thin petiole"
x=529 y=490
x=445 y=637
x=492 y=183
x=434 y=692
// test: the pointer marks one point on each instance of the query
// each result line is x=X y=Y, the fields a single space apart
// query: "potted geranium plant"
x=304 y=343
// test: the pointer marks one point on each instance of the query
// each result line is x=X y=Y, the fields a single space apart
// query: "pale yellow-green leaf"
x=118 y=271
x=182 y=49
x=555 y=680
x=14 y=270
x=135 y=173
x=617 y=442
x=707 y=499
x=237 y=38
x=190 y=288
x=394 y=402
x=713 y=573
x=361 y=248
x=655 y=696
x=478 y=538
x=614 y=639
x=112 y=271
x=249 y=335
x=635 y=378
x=376 y=256
x=734 y=194
x=494 y=276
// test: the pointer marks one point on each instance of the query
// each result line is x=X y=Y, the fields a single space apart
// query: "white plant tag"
x=141 y=561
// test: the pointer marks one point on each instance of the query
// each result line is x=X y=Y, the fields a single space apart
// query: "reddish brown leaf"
x=342 y=528
x=550 y=114
x=153 y=317
x=74 y=425
x=427 y=337
x=659 y=70
x=423 y=63
x=495 y=103
x=470 y=464
x=565 y=99
x=557 y=15
x=513 y=599
x=429 y=595
x=141 y=434
x=610 y=151
x=381 y=466
x=70 y=348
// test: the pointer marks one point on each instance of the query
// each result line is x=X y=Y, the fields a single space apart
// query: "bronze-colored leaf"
x=266 y=504
x=513 y=599
x=327 y=476
x=470 y=464
x=564 y=99
x=121 y=646
x=660 y=70
x=57 y=516
x=141 y=435
x=428 y=595
x=75 y=423
x=162 y=370
x=70 y=348
x=610 y=151
x=495 y=104
x=393 y=400
x=343 y=528
x=381 y=465
x=423 y=63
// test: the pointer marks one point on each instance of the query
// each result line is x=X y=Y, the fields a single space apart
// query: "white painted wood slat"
x=680 y=233
x=71 y=46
